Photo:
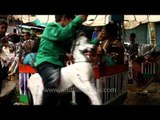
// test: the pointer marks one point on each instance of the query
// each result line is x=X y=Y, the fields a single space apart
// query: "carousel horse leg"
x=87 y=87
x=36 y=88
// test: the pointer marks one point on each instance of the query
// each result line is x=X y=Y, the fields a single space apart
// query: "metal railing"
x=114 y=84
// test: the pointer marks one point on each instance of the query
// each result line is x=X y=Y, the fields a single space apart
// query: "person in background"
x=133 y=51
x=5 y=59
x=27 y=44
x=30 y=58
x=56 y=41
x=95 y=33
x=133 y=47
x=3 y=29
x=12 y=57
x=110 y=49
x=12 y=53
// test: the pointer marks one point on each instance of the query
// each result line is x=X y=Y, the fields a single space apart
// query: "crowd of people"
x=15 y=48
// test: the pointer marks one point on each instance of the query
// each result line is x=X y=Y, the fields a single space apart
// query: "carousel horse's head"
x=83 y=41
x=82 y=46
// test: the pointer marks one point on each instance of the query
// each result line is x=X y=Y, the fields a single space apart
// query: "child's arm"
x=57 y=32
x=97 y=40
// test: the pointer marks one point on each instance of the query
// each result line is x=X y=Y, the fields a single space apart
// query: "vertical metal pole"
x=73 y=96
x=99 y=87
x=142 y=67
x=123 y=31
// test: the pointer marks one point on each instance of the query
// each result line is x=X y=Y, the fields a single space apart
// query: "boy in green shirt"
x=55 y=43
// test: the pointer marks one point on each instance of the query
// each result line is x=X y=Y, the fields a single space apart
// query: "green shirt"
x=55 y=42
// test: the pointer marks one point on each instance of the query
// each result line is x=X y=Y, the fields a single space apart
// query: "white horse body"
x=80 y=74
x=75 y=71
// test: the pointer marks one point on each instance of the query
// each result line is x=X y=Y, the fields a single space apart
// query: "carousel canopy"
x=39 y=20
x=130 y=21
x=97 y=20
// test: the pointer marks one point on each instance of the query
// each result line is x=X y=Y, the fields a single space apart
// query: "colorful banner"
x=152 y=33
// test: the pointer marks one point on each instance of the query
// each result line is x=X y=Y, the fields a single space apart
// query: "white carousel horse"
x=80 y=74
